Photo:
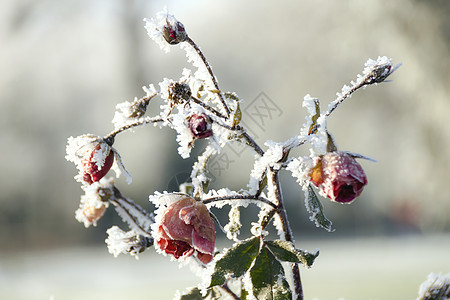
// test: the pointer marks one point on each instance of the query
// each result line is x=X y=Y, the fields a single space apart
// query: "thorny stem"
x=239 y=197
x=213 y=78
x=275 y=182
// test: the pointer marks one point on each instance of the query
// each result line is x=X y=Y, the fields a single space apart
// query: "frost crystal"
x=232 y=228
x=129 y=242
x=436 y=287
x=128 y=112
x=270 y=158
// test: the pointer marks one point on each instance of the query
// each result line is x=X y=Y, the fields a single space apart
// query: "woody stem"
x=274 y=181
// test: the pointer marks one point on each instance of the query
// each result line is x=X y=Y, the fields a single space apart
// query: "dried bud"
x=179 y=92
x=174 y=32
x=93 y=170
x=200 y=126
x=129 y=242
x=184 y=227
x=339 y=176
x=94 y=202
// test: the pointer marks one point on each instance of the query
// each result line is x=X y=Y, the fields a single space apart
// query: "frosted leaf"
x=119 y=167
x=129 y=242
x=437 y=286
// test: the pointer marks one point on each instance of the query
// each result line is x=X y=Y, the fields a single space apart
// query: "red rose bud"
x=174 y=32
x=91 y=170
x=186 y=227
x=200 y=126
x=339 y=176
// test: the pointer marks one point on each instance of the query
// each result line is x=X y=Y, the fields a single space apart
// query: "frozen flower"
x=92 y=155
x=200 y=126
x=183 y=227
x=339 y=176
x=165 y=30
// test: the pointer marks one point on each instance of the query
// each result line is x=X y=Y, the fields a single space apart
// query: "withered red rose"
x=339 y=177
x=185 y=227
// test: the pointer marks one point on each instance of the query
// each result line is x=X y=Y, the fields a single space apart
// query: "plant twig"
x=240 y=197
x=211 y=74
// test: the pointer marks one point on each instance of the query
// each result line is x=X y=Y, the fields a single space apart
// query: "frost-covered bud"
x=339 y=177
x=179 y=92
x=200 y=126
x=174 y=32
x=378 y=70
x=184 y=227
x=129 y=242
x=94 y=202
x=92 y=155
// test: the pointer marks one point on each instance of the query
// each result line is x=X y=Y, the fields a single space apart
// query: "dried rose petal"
x=339 y=176
x=186 y=227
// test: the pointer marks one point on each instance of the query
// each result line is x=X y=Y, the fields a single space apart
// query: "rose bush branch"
x=182 y=224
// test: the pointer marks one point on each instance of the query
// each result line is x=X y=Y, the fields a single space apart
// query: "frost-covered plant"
x=183 y=226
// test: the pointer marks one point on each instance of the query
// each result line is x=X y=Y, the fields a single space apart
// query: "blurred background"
x=66 y=64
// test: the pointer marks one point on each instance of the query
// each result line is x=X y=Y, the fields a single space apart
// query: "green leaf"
x=314 y=207
x=267 y=276
x=236 y=261
x=193 y=294
x=285 y=251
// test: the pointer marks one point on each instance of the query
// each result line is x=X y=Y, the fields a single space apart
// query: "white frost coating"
x=319 y=140
x=92 y=199
x=123 y=110
x=155 y=27
x=119 y=241
x=436 y=284
x=80 y=149
x=225 y=192
x=233 y=227
x=270 y=158
x=300 y=168
x=193 y=58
